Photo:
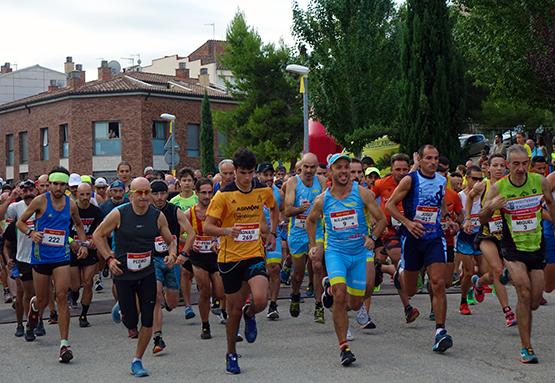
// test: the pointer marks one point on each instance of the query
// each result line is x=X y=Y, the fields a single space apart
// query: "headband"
x=58 y=177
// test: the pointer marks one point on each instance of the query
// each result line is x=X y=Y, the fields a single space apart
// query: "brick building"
x=89 y=127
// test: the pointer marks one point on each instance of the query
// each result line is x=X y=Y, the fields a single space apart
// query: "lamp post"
x=171 y=119
x=303 y=72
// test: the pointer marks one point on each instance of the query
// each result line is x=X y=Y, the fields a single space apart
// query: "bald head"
x=43 y=184
x=309 y=158
x=84 y=194
x=309 y=165
x=140 y=183
x=84 y=187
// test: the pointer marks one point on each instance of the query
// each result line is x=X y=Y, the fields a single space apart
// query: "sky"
x=45 y=32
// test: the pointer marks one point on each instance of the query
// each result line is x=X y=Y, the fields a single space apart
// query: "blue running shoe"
x=232 y=364
x=528 y=356
x=138 y=370
x=189 y=313
x=327 y=299
x=443 y=342
x=116 y=313
x=250 y=325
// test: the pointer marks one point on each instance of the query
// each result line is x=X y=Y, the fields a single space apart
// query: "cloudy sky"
x=45 y=32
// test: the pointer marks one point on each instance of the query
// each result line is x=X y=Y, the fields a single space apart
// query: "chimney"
x=79 y=68
x=203 y=78
x=74 y=80
x=104 y=71
x=68 y=65
x=5 y=68
x=53 y=86
x=182 y=73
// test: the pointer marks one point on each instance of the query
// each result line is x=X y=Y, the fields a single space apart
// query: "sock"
x=440 y=329
x=158 y=334
x=343 y=345
x=463 y=300
x=84 y=310
x=136 y=360
x=296 y=297
x=273 y=303
x=64 y=342
x=408 y=308
x=506 y=309
x=205 y=325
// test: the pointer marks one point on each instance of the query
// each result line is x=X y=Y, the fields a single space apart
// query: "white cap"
x=74 y=179
x=148 y=169
x=100 y=181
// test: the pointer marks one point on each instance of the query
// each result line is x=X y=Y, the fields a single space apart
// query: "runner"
x=344 y=207
x=42 y=184
x=519 y=197
x=225 y=176
x=549 y=236
x=299 y=196
x=422 y=242
x=53 y=212
x=235 y=214
x=123 y=173
x=136 y=226
x=83 y=270
x=101 y=188
x=167 y=288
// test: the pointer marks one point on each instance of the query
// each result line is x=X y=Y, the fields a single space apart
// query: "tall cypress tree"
x=207 y=163
x=432 y=84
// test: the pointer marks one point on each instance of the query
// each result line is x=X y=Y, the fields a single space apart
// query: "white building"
x=26 y=82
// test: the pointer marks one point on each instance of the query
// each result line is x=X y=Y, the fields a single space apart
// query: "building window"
x=107 y=140
x=64 y=141
x=44 y=144
x=9 y=150
x=222 y=141
x=193 y=147
x=160 y=133
x=23 y=148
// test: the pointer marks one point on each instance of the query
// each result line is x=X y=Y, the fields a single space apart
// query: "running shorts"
x=235 y=273
x=349 y=269
x=164 y=274
x=417 y=254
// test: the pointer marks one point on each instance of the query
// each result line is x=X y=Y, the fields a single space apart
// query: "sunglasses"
x=141 y=192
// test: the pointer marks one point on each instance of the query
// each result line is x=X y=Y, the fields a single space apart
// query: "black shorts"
x=534 y=260
x=235 y=273
x=450 y=254
x=491 y=238
x=46 y=269
x=92 y=259
x=188 y=265
x=25 y=271
x=131 y=292
x=207 y=262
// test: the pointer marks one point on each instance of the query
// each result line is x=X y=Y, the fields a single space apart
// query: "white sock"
x=438 y=330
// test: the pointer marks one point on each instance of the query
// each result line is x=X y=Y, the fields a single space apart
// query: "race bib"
x=524 y=222
x=426 y=214
x=344 y=220
x=250 y=232
x=204 y=243
x=160 y=245
x=496 y=225
x=300 y=221
x=138 y=261
x=523 y=213
x=55 y=238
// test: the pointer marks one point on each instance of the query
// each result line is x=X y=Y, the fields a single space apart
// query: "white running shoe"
x=362 y=316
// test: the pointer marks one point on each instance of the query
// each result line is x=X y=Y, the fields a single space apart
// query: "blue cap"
x=117 y=184
x=335 y=157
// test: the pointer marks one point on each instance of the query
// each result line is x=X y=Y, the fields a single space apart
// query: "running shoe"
x=285 y=275
x=83 y=322
x=40 y=331
x=29 y=334
x=238 y=338
x=53 y=317
x=232 y=364
x=411 y=313
x=33 y=315
x=504 y=277
x=65 y=354
x=443 y=342
x=510 y=319
x=327 y=298
x=470 y=297
x=294 y=308
x=223 y=317
x=205 y=333
x=20 y=330
x=362 y=316
x=138 y=370
x=346 y=356
x=106 y=271
x=250 y=325
x=479 y=294
x=310 y=291
x=215 y=307
x=189 y=313
x=349 y=336
x=116 y=313
x=159 y=345
x=370 y=325
x=319 y=314
x=528 y=356
x=378 y=279
x=464 y=309
x=133 y=333
x=273 y=313
x=7 y=296
x=98 y=286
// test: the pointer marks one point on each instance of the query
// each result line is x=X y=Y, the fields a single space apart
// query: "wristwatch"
x=29 y=231
x=373 y=237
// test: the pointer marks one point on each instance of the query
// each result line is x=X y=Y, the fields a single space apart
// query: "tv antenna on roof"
x=213 y=29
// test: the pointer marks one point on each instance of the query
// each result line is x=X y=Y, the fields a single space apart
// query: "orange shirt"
x=454 y=205
x=384 y=188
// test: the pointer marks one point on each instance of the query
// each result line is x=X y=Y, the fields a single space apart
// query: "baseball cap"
x=27 y=184
x=369 y=171
x=117 y=184
x=264 y=167
x=334 y=157
x=86 y=179
x=101 y=182
x=74 y=179
x=158 y=186
x=148 y=169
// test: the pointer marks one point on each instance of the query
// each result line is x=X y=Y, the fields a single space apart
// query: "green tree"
x=432 y=85
x=268 y=118
x=207 y=163
x=354 y=63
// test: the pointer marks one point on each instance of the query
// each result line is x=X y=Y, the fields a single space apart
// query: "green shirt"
x=522 y=214
x=185 y=203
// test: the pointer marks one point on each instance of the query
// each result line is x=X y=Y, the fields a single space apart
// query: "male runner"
x=348 y=246
x=136 y=226
x=299 y=196
x=549 y=236
x=53 y=212
x=42 y=184
x=422 y=242
x=225 y=176
x=519 y=197
x=235 y=214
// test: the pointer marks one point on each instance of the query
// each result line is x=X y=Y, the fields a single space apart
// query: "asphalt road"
x=296 y=349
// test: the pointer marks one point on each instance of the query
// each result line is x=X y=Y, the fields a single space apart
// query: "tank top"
x=345 y=222
x=170 y=212
x=303 y=193
x=423 y=203
x=522 y=214
x=134 y=241
x=495 y=224
x=54 y=225
x=474 y=211
x=277 y=197
x=205 y=243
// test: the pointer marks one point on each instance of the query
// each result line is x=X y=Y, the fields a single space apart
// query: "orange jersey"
x=454 y=205
x=383 y=188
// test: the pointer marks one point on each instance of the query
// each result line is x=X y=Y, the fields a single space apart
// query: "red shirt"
x=454 y=205
x=384 y=188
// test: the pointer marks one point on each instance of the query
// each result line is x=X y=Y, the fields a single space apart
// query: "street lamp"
x=303 y=72
x=171 y=119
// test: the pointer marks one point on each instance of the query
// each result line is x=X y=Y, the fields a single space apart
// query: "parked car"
x=472 y=144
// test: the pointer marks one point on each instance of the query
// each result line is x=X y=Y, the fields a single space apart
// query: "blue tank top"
x=277 y=198
x=346 y=222
x=54 y=225
x=297 y=224
x=423 y=203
